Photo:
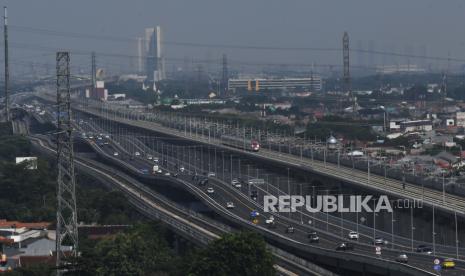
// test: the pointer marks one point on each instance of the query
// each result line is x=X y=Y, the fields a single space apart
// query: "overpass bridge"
x=304 y=248
x=432 y=197
x=191 y=225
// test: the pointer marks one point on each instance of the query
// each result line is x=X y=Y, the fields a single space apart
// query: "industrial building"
x=99 y=92
x=255 y=84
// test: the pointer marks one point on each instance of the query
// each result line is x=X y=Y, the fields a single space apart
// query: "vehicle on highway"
x=353 y=235
x=203 y=181
x=254 y=195
x=240 y=142
x=156 y=169
x=210 y=190
x=136 y=153
x=211 y=174
x=424 y=249
x=149 y=157
x=115 y=153
x=345 y=246
x=230 y=205
x=167 y=174
x=290 y=229
x=448 y=263
x=402 y=258
x=355 y=153
x=236 y=183
x=175 y=175
x=181 y=169
x=313 y=237
x=269 y=220
x=144 y=171
x=380 y=241
x=155 y=159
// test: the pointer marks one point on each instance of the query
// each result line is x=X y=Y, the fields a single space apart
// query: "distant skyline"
x=416 y=27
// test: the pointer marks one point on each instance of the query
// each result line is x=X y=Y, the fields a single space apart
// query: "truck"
x=156 y=169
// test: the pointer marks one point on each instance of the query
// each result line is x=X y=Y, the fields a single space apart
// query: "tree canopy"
x=243 y=253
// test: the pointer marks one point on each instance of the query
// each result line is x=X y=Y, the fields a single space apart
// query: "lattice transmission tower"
x=66 y=230
x=346 y=77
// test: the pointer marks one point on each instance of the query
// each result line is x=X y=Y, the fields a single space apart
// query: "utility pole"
x=66 y=228
x=7 y=70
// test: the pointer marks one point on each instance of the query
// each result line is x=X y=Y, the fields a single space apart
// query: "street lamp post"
x=411 y=228
x=392 y=229
x=456 y=236
x=434 y=236
x=288 y=188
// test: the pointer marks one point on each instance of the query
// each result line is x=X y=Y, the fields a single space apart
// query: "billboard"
x=32 y=162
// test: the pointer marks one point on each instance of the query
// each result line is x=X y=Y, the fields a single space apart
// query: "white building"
x=460 y=119
x=418 y=125
x=259 y=84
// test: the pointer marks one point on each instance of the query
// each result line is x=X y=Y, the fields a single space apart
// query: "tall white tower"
x=140 y=51
x=154 y=65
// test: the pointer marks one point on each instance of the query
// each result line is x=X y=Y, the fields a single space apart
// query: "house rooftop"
x=30 y=225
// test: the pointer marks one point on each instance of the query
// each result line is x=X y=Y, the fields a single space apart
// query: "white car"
x=181 y=169
x=167 y=173
x=115 y=153
x=353 y=235
x=211 y=174
x=236 y=183
x=230 y=205
x=155 y=159
x=210 y=190
x=269 y=220
x=149 y=157
x=137 y=153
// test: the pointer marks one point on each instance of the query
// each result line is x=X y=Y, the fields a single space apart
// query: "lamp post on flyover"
x=411 y=227
x=374 y=220
x=434 y=236
x=231 y=167
x=327 y=214
x=456 y=236
x=288 y=188
x=392 y=226
x=443 y=189
x=301 y=208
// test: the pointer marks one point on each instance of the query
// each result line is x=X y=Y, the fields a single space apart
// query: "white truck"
x=156 y=169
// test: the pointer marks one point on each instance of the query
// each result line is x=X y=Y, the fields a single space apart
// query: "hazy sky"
x=406 y=26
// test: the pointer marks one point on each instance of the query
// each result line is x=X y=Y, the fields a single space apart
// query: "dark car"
x=313 y=237
x=203 y=181
x=345 y=246
x=424 y=249
x=379 y=241
x=254 y=195
x=290 y=230
x=402 y=258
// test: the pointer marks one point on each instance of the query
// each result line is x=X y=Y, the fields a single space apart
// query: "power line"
x=35 y=30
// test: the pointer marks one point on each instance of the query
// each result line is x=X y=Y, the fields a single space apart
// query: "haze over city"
x=417 y=27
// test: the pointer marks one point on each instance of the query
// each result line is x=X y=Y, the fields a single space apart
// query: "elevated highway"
x=187 y=223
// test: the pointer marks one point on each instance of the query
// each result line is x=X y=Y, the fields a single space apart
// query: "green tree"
x=141 y=251
x=242 y=253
